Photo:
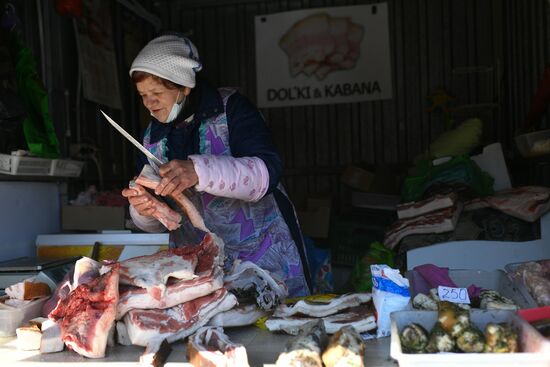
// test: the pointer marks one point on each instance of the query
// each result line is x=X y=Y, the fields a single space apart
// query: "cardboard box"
x=315 y=220
x=92 y=218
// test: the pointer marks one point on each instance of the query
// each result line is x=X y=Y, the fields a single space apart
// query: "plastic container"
x=11 y=318
x=534 y=144
x=66 y=168
x=488 y=279
x=511 y=270
x=535 y=349
x=27 y=166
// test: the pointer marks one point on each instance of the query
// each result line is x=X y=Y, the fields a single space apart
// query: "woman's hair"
x=138 y=76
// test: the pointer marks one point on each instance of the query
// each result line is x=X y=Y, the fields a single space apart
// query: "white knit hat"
x=171 y=57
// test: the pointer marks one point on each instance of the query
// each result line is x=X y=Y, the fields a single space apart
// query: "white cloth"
x=244 y=178
x=171 y=57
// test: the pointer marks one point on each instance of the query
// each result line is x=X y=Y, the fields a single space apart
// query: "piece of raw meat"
x=240 y=315
x=152 y=271
x=178 y=292
x=177 y=322
x=210 y=347
x=148 y=178
x=439 y=221
x=163 y=213
x=247 y=280
x=87 y=314
x=360 y=317
x=322 y=308
x=207 y=278
x=527 y=203
x=305 y=350
x=436 y=202
x=62 y=290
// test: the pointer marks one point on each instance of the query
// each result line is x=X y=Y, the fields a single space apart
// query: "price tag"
x=455 y=295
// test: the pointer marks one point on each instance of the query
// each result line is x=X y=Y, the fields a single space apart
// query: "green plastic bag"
x=37 y=126
x=361 y=278
x=459 y=170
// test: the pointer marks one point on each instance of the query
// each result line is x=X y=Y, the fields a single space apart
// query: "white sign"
x=322 y=56
x=455 y=295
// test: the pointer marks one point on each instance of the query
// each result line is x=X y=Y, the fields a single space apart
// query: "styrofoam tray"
x=535 y=348
x=488 y=279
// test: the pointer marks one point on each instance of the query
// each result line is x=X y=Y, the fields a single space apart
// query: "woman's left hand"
x=177 y=175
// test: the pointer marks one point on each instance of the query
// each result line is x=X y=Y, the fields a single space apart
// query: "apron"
x=255 y=232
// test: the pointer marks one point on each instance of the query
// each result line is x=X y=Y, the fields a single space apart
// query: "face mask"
x=176 y=109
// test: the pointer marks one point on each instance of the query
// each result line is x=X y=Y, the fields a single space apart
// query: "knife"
x=157 y=162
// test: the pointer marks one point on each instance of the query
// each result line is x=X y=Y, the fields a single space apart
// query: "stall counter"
x=262 y=348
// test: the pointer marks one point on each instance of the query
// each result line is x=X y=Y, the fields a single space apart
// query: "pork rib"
x=148 y=178
x=87 y=314
x=322 y=308
x=163 y=213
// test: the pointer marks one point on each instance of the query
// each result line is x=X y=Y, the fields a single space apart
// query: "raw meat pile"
x=156 y=299
x=354 y=310
x=434 y=215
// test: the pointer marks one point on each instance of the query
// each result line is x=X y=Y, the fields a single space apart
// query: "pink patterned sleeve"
x=244 y=178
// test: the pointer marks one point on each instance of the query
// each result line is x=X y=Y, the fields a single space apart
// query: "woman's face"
x=159 y=99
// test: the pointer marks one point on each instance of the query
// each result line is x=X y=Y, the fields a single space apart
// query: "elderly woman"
x=216 y=141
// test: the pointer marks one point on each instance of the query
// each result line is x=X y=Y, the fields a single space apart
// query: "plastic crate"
x=534 y=144
x=26 y=166
x=11 y=318
x=66 y=168
x=512 y=273
x=533 y=346
x=488 y=279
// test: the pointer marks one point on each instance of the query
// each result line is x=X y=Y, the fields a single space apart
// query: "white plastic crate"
x=26 y=166
x=66 y=168
x=534 y=348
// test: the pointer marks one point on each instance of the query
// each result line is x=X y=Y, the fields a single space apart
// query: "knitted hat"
x=172 y=57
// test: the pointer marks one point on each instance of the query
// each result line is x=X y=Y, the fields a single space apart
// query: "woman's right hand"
x=139 y=200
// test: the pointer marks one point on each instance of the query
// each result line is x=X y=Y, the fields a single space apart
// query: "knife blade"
x=136 y=143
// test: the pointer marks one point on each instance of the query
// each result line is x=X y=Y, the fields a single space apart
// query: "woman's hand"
x=177 y=175
x=141 y=203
